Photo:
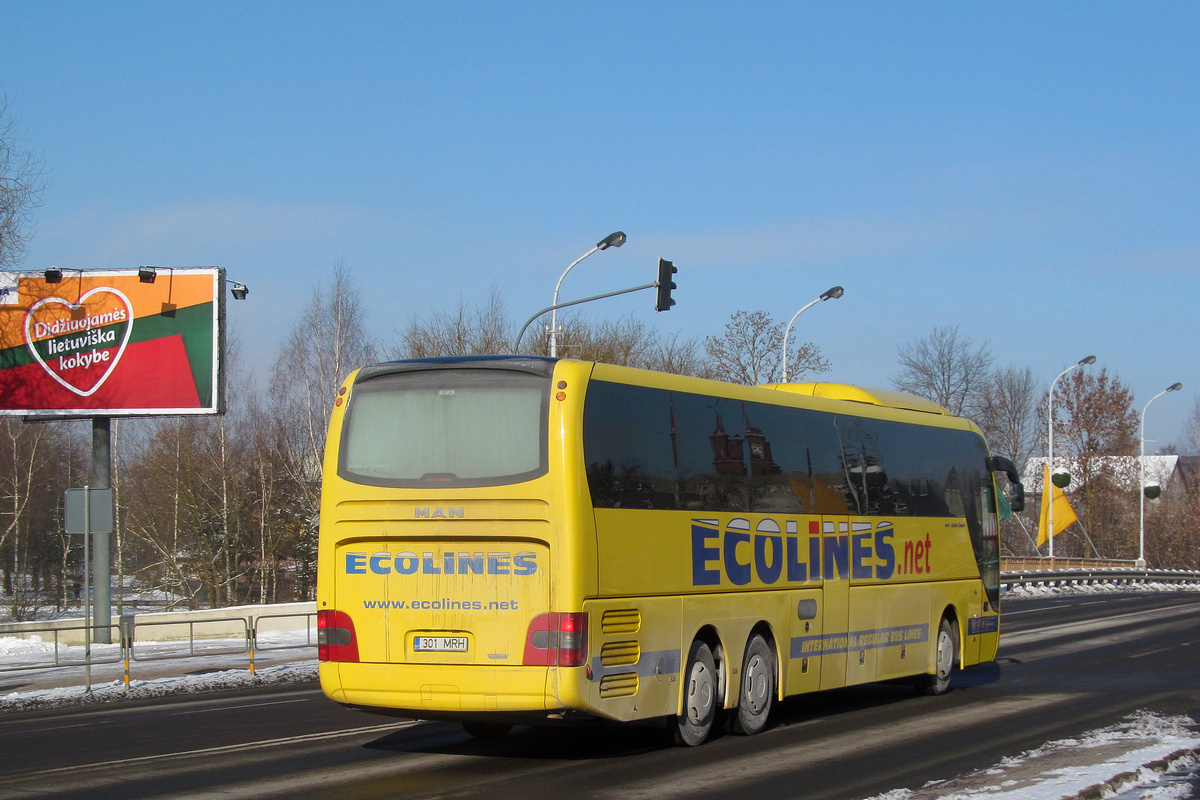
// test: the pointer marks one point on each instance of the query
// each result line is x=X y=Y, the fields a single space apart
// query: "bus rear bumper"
x=436 y=690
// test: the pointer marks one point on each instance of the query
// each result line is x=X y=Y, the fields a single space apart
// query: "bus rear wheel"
x=758 y=688
x=945 y=658
x=693 y=726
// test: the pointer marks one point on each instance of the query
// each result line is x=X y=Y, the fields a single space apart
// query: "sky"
x=1023 y=171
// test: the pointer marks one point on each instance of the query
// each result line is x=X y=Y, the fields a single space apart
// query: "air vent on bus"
x=621 y=620
x=621 y=685
x=617 y=654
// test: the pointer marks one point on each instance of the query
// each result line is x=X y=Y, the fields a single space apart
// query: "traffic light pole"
x=525 y=327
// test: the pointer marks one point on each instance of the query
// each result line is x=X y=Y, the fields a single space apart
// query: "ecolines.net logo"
x=739 y=553
x=409 y=563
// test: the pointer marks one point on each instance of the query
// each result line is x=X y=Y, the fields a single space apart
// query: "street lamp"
x=1047 y=492
x=612 y=240
x=1141 y=562
x=832 y=294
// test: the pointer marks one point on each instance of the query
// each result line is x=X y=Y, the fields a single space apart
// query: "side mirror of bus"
x=1017 y=489
x=1016 y=499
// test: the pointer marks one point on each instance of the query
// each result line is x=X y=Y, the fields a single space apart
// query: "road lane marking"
x=26 y=731
x=244 y=705
x=227 y=748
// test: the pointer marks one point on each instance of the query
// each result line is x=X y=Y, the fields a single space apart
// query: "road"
x=1066 y=666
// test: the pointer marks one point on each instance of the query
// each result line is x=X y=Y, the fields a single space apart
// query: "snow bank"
x=158 y=687
x=1018 y=592
x=1146 y=756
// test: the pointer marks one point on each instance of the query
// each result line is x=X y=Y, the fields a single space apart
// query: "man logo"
x=437 y=512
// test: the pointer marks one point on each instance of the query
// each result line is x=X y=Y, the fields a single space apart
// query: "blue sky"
x=1025 y=171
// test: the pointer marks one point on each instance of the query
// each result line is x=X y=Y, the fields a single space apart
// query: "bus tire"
x=482 y=729
x=945 y=660
x=693 y=726
x=759 y=685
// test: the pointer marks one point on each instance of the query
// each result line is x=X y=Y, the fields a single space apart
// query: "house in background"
x=1179 y=476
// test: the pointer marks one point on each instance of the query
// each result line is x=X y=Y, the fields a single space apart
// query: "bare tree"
x=22 y=181
x=1098 y=422
x=34 y=460
x=1099 y=419
x=463 y=331
x=1008 y=414
x=947 y=368
x=1191 y=430
x=750 y=351
x=680 y=356
x=325 y=344
x=486 y=329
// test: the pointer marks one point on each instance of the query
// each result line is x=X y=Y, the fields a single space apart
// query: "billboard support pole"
x=87 y=588
x=101 y=556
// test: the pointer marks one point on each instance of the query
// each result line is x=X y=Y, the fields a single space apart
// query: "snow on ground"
x=114 y=690
x=157 y=668
x=1030 y=592
x=1144 y=757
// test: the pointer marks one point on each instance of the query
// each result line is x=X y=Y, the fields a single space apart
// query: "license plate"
x=440 y=644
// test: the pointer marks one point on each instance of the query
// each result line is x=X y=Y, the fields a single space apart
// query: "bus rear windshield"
x=446 y=428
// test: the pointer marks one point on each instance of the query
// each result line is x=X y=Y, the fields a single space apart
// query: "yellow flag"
x=1064 y=515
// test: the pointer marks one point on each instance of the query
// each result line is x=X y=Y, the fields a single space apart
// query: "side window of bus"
x=656 y=449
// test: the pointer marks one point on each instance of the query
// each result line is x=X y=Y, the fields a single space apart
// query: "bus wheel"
x=758 y=688
x=946 y=657
x=699 y=697
x=486 y=730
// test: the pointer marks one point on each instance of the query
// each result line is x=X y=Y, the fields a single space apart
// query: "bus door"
x=835 y=605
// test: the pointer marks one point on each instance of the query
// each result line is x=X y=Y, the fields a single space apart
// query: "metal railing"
x=1014 y=564
x=95 y=654
x=1092 y=576
x=125 y=639
x=308 y=630
x=246 y=645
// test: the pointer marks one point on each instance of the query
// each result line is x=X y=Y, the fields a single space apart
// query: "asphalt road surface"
x=1066 y=666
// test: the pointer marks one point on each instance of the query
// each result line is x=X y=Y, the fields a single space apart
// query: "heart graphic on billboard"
x=79 y=344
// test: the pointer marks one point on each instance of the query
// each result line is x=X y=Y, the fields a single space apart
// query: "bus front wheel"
x=699 y=697
x=758 y=688
x=945 y=657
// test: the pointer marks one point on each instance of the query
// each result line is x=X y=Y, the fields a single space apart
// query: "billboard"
x=94 y=343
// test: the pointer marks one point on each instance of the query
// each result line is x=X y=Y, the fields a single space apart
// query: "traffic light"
x=665 y=270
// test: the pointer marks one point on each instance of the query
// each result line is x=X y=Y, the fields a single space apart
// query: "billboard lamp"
x=147 y=274
x=53 y=275
x=238 y=290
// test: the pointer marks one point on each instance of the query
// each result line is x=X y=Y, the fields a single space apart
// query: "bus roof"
x=858 y=394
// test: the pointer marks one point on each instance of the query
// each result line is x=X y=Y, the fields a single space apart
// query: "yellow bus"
x=519 y=540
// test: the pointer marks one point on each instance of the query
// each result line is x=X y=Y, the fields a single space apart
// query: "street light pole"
x=612 y=240
x=1047 y=492
x=1141 y=562
x=832 y=294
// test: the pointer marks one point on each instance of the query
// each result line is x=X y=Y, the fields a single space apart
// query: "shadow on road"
x=601 y=740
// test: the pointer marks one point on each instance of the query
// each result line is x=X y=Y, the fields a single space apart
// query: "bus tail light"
x=557 y=640
x=335 y=637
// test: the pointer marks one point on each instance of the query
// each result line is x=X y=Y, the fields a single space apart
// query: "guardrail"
x=246 y=634
x=1092 y=576
x=97 y=654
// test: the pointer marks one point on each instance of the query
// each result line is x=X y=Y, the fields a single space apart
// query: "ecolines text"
x=770 y=554
x=408 y=563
